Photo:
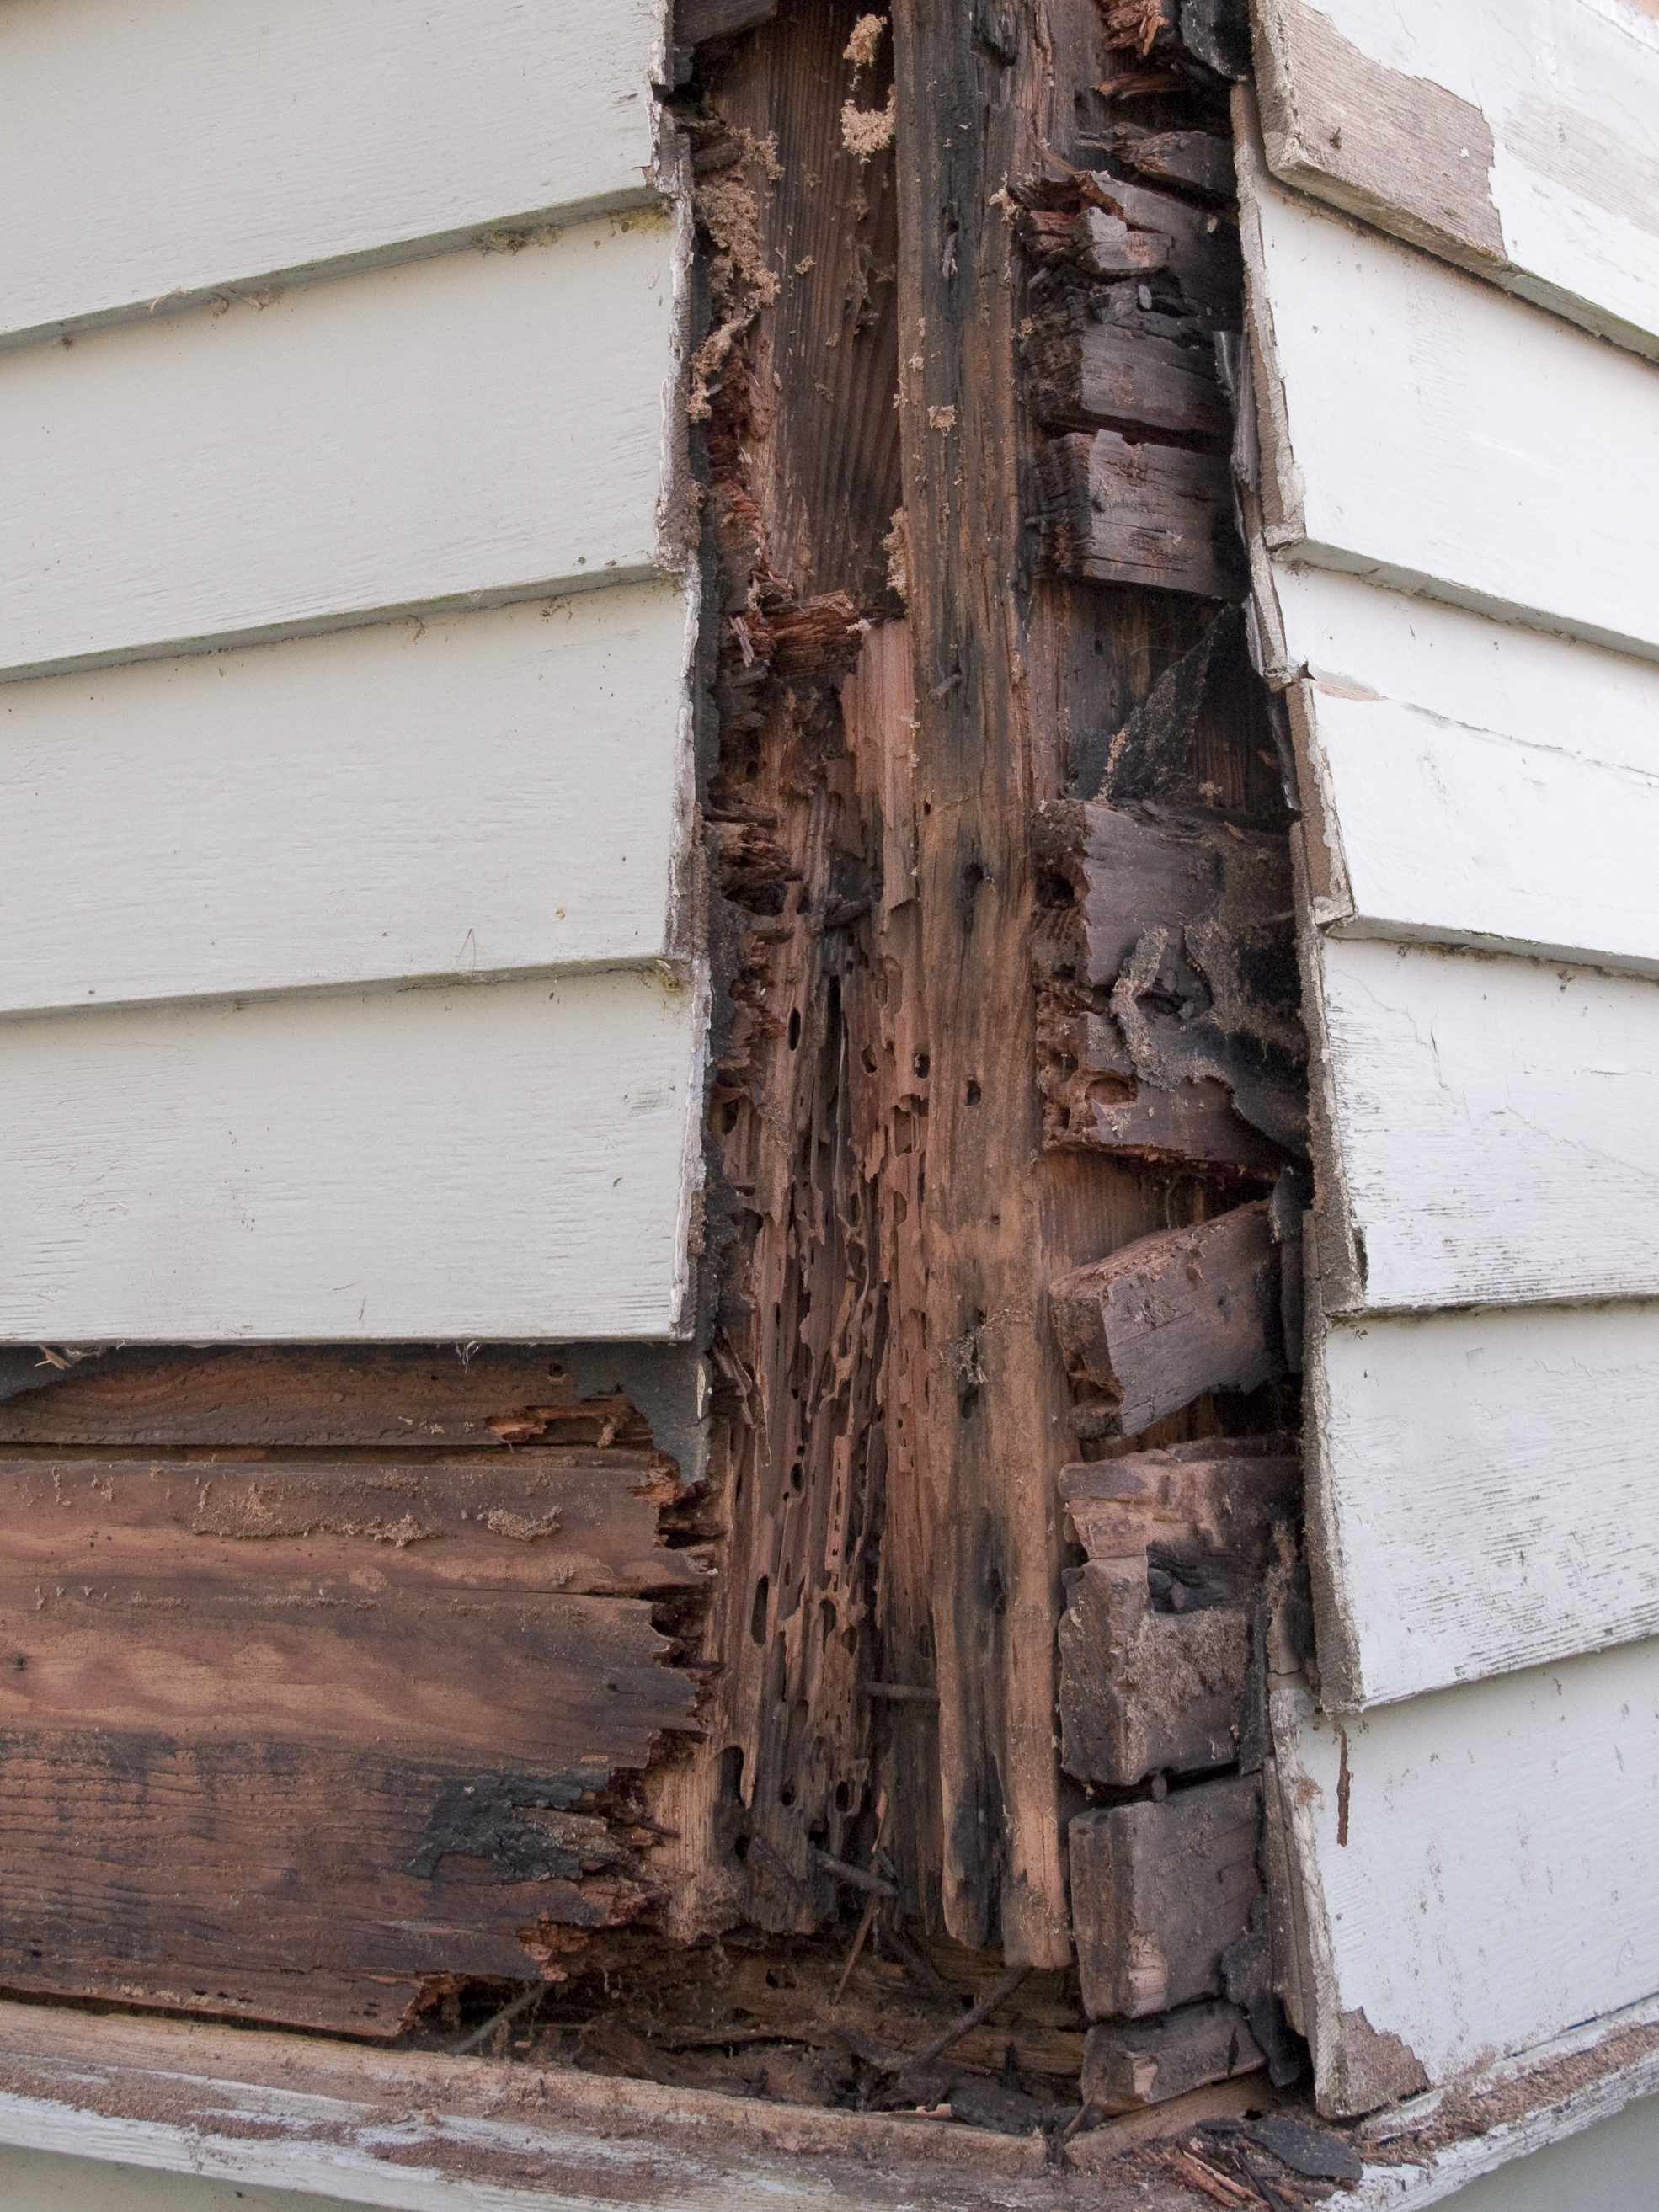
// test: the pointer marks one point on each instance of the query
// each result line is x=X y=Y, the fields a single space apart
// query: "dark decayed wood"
x=1106 y=377
x=1159 y=1889
x=1122 y=514
x=1143 y=1690
x=1130 y=2064
x=1171 y=1315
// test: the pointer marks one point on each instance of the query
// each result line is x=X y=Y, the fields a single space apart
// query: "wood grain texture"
x=1129 y=2065
x=1501 y=1842
x=1120 y=513
x=204 y=145
x=1514 y=140
x=1489 y=787
x=1492 y=1123
x=1174 y=1314
x=495 y=793
x=1159 y=1891
x=1505 y=1452
x=1512 y=463
x=1108 y=377
x=488 y=424
x=509 y=1161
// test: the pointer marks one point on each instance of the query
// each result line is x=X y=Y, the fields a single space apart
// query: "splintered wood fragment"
x=1174 y=1314
x=854 y=1877
x=981 y=2012
x=1202 y=160
x=1120 y=513
x=1202 y=248
x=1216 y=1498
x=1129 y=2065
x=1144 y=1691
x=1159 y=1892
x=1106 y=246
x=1108 y=376
x=1180 y=935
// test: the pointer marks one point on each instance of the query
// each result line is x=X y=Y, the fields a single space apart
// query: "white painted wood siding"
x=508 y=1160
x=189 y=144
x=1498 y=1876
x=1439 y=436
x=1486 y=1487
x=486 y=425
x=1493 y=786
x=1563 y=93
x=1497 y=1126
x=491 y=793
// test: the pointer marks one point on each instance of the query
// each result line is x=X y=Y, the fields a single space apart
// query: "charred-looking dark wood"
x=1122 y=514
x=1179 y=929
x=1159 y=1889
x=1171 y=1315
x=1130 y=2064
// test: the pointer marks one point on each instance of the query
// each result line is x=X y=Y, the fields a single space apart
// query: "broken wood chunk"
x=1179 y=934
x=1171 y=1315
x=1217 y=1501
x=1129 y=2065
x=1120 y=513
x=1144 y=1691
x=1159 y=1889
x=1202 y=252
x=1108 y=375
x=1200 y=160
x=1104 y=245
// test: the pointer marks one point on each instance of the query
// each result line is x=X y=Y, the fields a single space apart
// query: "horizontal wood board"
x=1487 y=786
x=192 y=144
x=1493 y=1121
x=1506 y=462
x=1480 y=1868
x=1514 y=136
x=513 y=1160
x=496 y=793
x=481 y=427
x=1485 y=1494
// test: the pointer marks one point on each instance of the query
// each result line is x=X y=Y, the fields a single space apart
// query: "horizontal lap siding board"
x=192 y=144
x=1441 y=437
x=1513 y=136
x=1480 y=1868
x=478 y=428
x=1484 y=1493
x=1495 y=1124
x=1485 y=785
x=509 y=1160
x=496 y=793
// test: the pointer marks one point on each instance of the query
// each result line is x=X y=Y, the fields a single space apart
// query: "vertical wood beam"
x=977 y=89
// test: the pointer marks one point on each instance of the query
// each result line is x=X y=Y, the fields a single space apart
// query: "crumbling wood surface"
x=1163 y=1319
x=1103 y=377
x=1142 y=1691
x=1130 y=2065
x=1215 y=1500
x=1180 y=923
x=1159 y=1889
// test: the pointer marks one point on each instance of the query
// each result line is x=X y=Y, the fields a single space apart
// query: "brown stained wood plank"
x=557 y=1679
x=1159 y=1890
x=1120 y=513
x=277 y=1395
x=1142 y=1691
x=293 y=1882
x=1174 y=1314
x=1218 y=1496
x=548 y=1522
x=1131 y=2064
x=1108 y=376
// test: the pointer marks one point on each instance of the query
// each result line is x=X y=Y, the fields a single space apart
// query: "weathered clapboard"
x=509 y=1160
x=1510 y=462
x=491 y=793
x=199 y=146
x=1538 y=175
x=485 y=425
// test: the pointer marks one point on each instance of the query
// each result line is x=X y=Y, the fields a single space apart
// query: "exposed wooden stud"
x=1171 y=1315
x=1159 y=1892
